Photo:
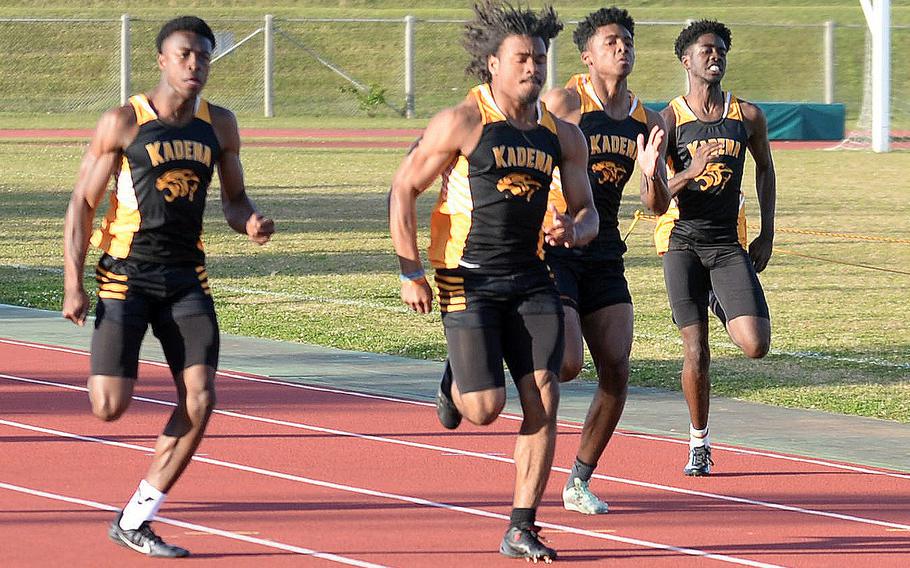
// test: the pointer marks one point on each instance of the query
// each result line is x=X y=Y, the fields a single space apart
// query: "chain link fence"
x=336 y=67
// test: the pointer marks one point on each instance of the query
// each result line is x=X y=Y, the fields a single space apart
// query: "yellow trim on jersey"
x=665 y=224
x=546 y=118
x=120 y=224
x=682 y=111
x=202 y=111
x=143 y=109
x=581 y=84
x=555 y=198
x=734 y=112
x=489 y=112
x=637 y=112
x=452 y=216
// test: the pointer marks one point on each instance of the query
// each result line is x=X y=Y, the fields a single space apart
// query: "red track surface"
x=372 y=479
x=352 y=138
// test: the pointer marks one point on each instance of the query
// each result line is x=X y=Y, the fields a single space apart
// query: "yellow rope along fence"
x=639 y=215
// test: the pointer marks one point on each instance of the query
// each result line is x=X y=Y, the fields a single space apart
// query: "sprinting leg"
x=609 y=335
x=697 y=390
x=534 y=449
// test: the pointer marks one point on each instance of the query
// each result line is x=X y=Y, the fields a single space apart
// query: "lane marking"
x=487 y=456
x=505 y=415
x=197 y=529
x=396 y=497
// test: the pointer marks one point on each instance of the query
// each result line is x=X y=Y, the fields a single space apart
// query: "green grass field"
x=841 y=332
x=776 y=55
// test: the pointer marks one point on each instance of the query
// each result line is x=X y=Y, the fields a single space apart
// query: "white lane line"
x=399 y=497
x=505 y=415
x=197 y=528
x=445 y=450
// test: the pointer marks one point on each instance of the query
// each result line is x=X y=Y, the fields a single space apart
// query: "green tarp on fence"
x=799 y=121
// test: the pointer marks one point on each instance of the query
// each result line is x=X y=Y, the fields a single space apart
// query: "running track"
x=350 y=138
x=293 y=475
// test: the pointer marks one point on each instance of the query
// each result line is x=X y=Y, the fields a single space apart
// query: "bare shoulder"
x=669 y=116
x=751 y=111
x=224 y=123
x=569 y=134
x=562 y=102
x=655 y=119
x=222 y=117
x=450 y=128
x=116 y=128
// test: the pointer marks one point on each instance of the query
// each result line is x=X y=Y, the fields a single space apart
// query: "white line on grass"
x=404 y=498
x=492 y=457
x=195 y=527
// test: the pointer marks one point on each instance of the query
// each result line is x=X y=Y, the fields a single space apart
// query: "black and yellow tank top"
x=156 y=209
x=711 y=209
x=612 y=150
x=492 y=203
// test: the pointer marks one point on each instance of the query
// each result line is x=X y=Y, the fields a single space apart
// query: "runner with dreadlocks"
x=591 y=280
x=702 y=237
x=497 y=151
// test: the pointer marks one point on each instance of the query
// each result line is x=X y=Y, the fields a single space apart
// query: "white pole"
x=881 y=74
x=829 y=62
x=552 y=70
x=124 y=58
x=878 y=17
x=268 y=87
x=409 y=22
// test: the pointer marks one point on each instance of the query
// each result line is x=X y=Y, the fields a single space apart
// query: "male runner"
x=590 y=279
x=702 y=236
x=161 y=148
x=496 y=152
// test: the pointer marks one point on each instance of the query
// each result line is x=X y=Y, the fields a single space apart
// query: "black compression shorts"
x=174 y=300
x=515 y=317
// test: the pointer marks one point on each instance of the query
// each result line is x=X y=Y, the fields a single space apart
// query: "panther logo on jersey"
x=519 y=185
x=610 y=172
x=716 y=175
x=178 y=183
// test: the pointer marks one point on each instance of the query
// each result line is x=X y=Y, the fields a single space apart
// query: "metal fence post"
x=124 y=58
x=409 y=22
x=829 y=62
x=552 y=70
x=268 y=87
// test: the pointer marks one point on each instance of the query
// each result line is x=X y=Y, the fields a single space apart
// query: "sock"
x=698 y=437
x=446 y=383
x=522 y=518
x=582 y=471
x=142 y=506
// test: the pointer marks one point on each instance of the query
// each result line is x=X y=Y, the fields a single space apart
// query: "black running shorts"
x=690 y=271
x=516 y=317
x=587 y=284
x=174 y=300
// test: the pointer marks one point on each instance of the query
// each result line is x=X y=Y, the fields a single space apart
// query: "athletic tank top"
x=612 y=149
x=491 y=206
x=711 y=208
x=156 y=210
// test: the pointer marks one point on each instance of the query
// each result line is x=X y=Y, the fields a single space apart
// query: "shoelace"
x=701 y=456
x=146 y=530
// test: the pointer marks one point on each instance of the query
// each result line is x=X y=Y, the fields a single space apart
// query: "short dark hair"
x=494 y=21
x=695 y=30
x=603 y=17
x=185 y=24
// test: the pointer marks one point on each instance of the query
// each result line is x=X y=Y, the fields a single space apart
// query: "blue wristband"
x=412 y=276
